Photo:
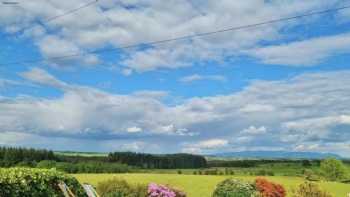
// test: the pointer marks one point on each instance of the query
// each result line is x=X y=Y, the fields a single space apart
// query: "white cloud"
x=134 y=146
x=212 y=143
x=311 y=147
x=7 y=82
x=134 y=129
x=114 y=24
x=340 y=148
x=251 y=108
x=242 y=139
x=12 y=138
x=53 y=47
x=304 y=53
x=151 y=94
x=206 y=144
x=252 y=130
x=197 y=77
x=313 y=129
x=307 y=109
x=40 y=76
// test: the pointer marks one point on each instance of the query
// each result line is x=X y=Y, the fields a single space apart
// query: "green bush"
x=47 y=164
x=120 y=188
x=84 y=167
x=346 y=181
x=235 y=188
x=308 y=189
x=310 y=175
x=30 y=164
x=29 y=182
x=263 y=172
x=333 y=169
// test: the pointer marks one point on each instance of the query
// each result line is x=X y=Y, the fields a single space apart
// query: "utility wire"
x=157 y=42
x=70 y=11
x=9 y=3
x=48 y=20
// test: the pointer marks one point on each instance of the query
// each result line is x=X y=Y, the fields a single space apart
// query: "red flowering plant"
x=269 y=189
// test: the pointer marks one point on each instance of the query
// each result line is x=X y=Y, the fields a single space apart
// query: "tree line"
x=10 y=156
x=256 y=163
x=166 y=161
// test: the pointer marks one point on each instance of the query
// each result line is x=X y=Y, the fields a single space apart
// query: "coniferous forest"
x=113 y=163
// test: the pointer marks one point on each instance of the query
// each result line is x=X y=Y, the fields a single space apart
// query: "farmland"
x=203 y=185
x=195 y=175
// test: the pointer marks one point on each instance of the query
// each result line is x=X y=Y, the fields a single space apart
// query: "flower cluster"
x=269 y=189
x=155 y=190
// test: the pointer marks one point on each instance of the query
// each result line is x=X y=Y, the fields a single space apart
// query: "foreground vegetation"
x=29 y=182
x=203 y=186
x=26 y=182
x=126 y=172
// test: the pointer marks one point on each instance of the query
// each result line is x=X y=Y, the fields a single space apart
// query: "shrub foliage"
x=333 y=169
x=85 y=167
x=269 y=189
x=26 y=182
x=309 y=189
x=120 y=188
x=234 y=188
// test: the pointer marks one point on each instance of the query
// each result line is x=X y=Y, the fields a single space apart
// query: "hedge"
x=28 y=182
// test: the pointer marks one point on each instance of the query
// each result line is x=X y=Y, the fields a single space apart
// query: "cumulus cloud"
x=327 y=128
x=304 y=53
x=53 y=48
x=257 y=108
x=306 y=109
x=134 y=129
x=205 y=145
x=310 y=147
x=254 y=130
x=114 y=24
x=151 y=94
x=40 y=76
x=197 y=77
x=212 y=143
x=78 y=112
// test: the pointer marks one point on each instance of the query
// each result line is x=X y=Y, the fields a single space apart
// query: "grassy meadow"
x=203 y=185
x=193 y=174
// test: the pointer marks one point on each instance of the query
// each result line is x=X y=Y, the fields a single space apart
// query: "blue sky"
x=283 y=86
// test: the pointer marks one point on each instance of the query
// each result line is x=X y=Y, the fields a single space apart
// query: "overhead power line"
x=68 y=12
x=157 y=42
x=9 y=2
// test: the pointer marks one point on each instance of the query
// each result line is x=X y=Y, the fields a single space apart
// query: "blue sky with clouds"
x=282 y=86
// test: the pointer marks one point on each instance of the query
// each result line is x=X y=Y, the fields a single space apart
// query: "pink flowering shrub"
x=155 y=190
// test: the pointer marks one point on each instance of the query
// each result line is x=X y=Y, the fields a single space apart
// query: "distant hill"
x=275 y=155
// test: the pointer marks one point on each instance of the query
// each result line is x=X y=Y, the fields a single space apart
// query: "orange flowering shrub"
x=269 y=189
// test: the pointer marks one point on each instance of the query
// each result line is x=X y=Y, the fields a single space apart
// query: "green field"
x=82 y=154
x=203 y=185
